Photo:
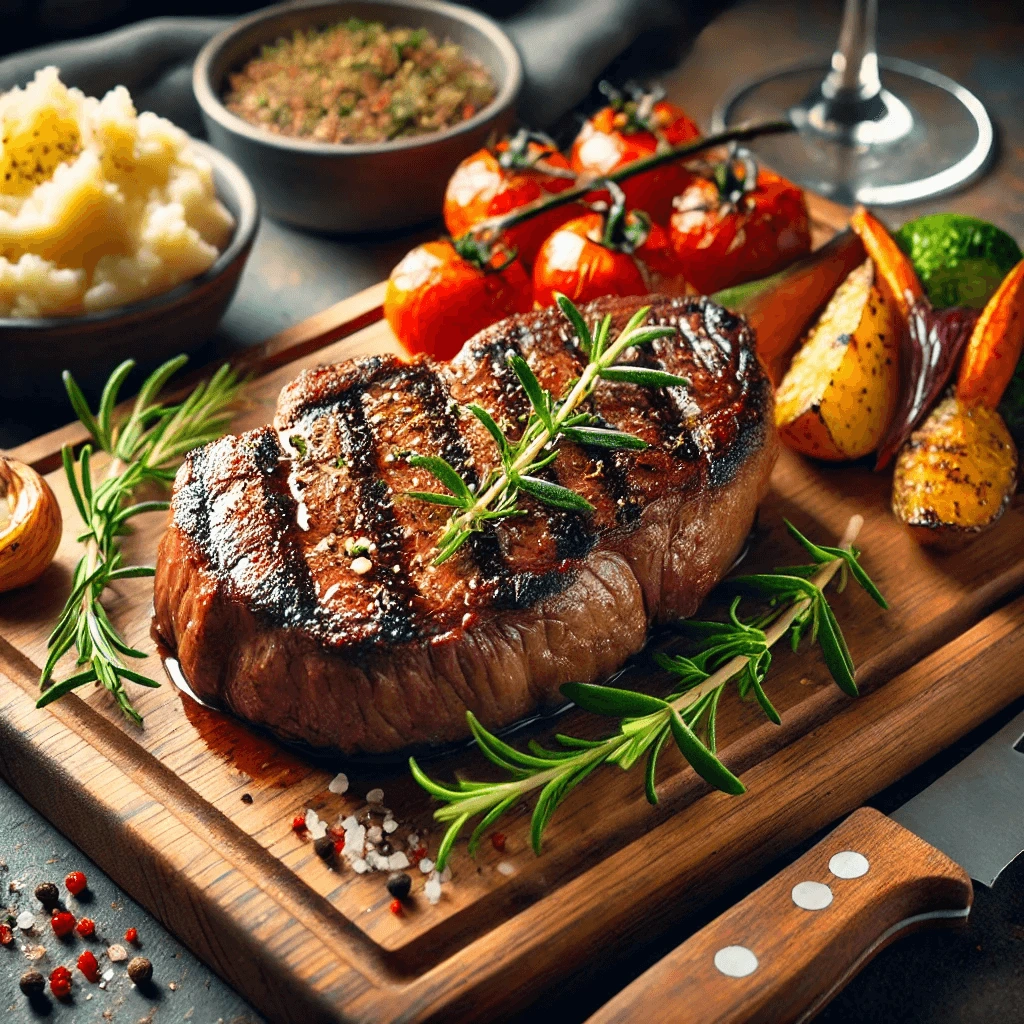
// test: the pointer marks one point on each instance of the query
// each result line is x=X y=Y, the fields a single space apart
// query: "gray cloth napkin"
x=564 y=45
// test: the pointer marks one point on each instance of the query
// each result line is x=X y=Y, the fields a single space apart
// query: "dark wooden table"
x=976 y=977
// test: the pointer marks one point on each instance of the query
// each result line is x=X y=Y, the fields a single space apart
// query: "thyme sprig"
x=550 y=420
x=145 y=446
x=733 y=650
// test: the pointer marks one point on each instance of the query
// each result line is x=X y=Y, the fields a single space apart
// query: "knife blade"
x=782 y=953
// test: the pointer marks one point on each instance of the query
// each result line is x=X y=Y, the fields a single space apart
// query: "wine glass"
x=857 y=141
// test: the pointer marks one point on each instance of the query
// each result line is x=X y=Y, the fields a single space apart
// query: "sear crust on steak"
x=274 y=613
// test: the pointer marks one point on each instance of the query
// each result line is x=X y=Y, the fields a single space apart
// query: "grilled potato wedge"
x=840 y=392
x=956 y=475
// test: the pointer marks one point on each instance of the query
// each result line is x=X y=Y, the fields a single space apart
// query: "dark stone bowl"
x=34 y=351
x=340 y=187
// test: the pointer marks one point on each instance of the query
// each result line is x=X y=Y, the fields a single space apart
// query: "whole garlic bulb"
x=31 y=531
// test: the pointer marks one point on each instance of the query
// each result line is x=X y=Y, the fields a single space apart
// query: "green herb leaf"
x=608 y=700
x=643 y=377
x=703 y=762
x=537 y=395
x=603 y=438
x=445 y=472
x=554 y=494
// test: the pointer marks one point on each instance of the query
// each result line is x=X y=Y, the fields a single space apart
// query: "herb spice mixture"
x=359 y=82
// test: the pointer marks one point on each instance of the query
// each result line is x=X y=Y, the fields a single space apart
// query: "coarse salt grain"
x=375 y=796
x=359 y=866
x=432 y=890
x=317 y=828
x=117 y=953
x=413 y=842
x=390 y=826
x=505 y=868
x=446 y=875
x=375 y=834
x=339 y=784
x=108 y=974
x=397 y=861
x=376 y=860
x=26 y=920
x=426 y=865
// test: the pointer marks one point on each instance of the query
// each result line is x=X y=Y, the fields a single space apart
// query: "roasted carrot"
x=995 y=344
x=894 y=268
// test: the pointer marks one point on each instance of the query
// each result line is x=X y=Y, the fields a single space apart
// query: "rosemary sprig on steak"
x=550 y=420
x=144 y=447
x=734 y=651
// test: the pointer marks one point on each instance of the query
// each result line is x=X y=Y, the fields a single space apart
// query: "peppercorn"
x=32 y=983
x=86 y=927
x=399 y=885
x=140 y=970
x=60 y=982
x=62 y=923
x=131 y=935
x=498 y=841
x=88 y=966
x=48 y=894
x=396 y=908
x=247 y=798
x=6 y=935
x=76 y=883
x=324 y=847
x=299 y=823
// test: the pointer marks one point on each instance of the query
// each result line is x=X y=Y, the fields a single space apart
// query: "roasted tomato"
x=437 y=298
x=628 y=130
x=494 y=181
x=606 y=252
x=737 y=223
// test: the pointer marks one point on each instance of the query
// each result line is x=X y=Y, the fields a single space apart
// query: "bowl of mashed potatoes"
x=120 y=235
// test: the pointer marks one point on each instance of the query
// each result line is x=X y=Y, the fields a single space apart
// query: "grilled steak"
x=275 y=614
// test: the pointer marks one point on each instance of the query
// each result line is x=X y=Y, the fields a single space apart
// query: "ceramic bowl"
x=33 y=352
x=341 y=187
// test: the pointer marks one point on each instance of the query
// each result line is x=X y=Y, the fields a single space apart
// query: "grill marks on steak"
x=255 y=590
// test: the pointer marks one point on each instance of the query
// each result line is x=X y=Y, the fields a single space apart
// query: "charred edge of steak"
x=717 y=443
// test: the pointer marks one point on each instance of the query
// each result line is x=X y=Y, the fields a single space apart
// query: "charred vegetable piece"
x=996 y=343
x=839 y=395
x=894 y=269
x=934 y=342
x=780 y=307
x=960 y=260
x=956 y=475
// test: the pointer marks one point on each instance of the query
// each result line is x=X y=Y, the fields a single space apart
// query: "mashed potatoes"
x=99 y=206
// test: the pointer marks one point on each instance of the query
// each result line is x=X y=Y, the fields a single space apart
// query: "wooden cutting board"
x=192 y=813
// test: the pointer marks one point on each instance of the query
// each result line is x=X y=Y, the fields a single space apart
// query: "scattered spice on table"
x=359 y=82
x=60 y=982
x=76 y=883
x=32 y=983
x=63 y=923
x=140 y=970
x=131 y=935
x=48 y=894
x=86 y=927
x=88 y=966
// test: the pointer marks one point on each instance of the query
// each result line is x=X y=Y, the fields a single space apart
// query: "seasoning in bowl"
x=99 y=206
x=359 y=82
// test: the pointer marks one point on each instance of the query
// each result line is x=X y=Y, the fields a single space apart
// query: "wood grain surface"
x=803 y=950
x=162 y=809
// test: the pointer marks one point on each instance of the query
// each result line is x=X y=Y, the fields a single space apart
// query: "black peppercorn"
x=32 y=983
x=399 y=885
x=324 y=847
x=48 y=894
x=140 y=970
x=247 y=798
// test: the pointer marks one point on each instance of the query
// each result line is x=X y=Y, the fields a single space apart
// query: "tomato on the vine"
x=517 y=171
x=738 y=223
x=628 y=130
x=437 y=298
x=606 y=252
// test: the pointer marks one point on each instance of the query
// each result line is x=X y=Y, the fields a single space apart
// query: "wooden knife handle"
x=782 y=953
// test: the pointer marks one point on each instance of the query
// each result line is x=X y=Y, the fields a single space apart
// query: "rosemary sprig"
x=550 y=419
x=733 y=650
x=144 y=447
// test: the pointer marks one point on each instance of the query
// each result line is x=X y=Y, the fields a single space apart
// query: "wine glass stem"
x=854 y=74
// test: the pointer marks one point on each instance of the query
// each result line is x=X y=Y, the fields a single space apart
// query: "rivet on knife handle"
x=780 y=955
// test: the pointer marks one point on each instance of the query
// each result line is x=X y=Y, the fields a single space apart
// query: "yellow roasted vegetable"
x=955 y=476
x=30 y=524
x=840 y=392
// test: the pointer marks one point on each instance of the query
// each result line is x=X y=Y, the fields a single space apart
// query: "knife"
x=781 y=954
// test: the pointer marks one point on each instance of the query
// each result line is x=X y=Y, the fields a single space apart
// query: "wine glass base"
x=933 y=136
